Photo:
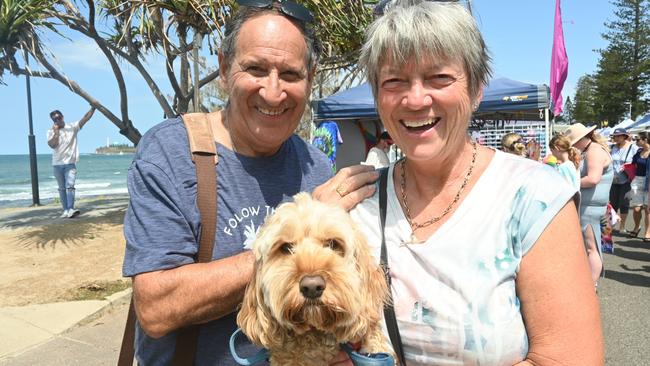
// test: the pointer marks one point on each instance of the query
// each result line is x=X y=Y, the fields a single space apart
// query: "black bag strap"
x=204 y=156
x=629 y=148
x=389 y=311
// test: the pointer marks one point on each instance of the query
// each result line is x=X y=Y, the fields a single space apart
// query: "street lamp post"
x=32 y=140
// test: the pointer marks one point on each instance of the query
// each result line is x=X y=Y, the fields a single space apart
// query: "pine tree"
x=567 y=114
x=623 y=74
x=583 y=109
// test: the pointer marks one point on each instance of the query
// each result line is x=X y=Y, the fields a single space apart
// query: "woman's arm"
x=558 y=302
x=597 y=159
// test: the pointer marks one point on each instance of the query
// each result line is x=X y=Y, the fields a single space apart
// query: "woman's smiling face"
x=425 y=106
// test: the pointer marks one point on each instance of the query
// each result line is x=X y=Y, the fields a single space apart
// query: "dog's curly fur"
x=310 y=238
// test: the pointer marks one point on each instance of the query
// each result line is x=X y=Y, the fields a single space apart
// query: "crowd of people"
x=471 y=234
x=610 y=174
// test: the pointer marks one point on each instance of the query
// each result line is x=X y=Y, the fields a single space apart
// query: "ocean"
x=97 y=175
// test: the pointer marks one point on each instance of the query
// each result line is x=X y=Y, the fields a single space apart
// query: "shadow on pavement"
x=632 y=254
x=47 y=215
x=43 y=231
x=631 y=243
x=631 y=279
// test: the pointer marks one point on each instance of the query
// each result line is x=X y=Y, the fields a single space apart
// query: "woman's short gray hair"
x=419 y=29
x=244 y=13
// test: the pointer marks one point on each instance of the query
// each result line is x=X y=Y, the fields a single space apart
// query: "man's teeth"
x=420 y=123
x=270 y=112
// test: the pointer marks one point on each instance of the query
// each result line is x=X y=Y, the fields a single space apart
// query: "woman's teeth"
x=415 y=124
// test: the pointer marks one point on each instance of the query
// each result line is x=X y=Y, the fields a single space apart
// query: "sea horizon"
x=97 y=175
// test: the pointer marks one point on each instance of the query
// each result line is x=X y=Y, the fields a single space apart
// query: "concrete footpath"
x=51 y=334
x=27 y=327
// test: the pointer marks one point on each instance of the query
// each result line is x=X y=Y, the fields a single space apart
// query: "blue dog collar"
x=261 y=355
x=371 y=359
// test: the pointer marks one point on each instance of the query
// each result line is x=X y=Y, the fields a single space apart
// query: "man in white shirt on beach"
x=62 y=138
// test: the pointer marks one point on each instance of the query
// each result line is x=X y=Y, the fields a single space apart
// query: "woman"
x=639 y=188
x=568 y=159
x=477 y=275
x=596 y=175
x=621 y=153
x=513 y=143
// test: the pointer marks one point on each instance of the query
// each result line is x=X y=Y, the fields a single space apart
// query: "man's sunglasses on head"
x=289 y=8
x=57 y=117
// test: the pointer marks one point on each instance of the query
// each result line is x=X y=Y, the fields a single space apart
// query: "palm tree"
x=132 y=30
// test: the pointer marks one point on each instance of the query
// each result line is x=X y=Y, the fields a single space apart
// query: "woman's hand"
x=348 y=187
x=342 y=359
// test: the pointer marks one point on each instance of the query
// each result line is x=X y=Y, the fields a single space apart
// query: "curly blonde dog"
x=315 y=286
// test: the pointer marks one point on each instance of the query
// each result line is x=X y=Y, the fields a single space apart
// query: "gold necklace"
x=414 y=225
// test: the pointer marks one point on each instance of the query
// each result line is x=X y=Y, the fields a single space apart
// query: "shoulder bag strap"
x=389 y=311
x=127 y=350
x=204 y=156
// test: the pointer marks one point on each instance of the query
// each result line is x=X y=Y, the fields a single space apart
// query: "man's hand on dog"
x=348 y=187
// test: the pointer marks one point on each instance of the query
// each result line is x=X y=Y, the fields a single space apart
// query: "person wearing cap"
x=378 y=154
x=596 y=175
x=623 y=152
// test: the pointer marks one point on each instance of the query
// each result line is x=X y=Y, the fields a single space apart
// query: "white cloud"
x=80 y=53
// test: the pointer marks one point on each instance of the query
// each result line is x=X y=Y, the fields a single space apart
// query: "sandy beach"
x=46 y=258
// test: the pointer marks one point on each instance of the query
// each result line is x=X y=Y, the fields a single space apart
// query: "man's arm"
x=86 y=117
x=53 y=141
x=192 y=294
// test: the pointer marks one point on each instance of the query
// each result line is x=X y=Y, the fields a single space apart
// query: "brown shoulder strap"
x=127 y=351
x=204 y=155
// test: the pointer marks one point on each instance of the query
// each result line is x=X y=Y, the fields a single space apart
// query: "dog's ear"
x=254 y=317
x=372 y=279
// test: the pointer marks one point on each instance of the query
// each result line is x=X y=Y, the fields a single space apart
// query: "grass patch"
x=96 y=290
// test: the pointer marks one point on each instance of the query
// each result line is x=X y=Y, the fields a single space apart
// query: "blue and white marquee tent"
x=501 y=95
x=503 y=100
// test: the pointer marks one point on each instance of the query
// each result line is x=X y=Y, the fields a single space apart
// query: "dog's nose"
x=312 y=287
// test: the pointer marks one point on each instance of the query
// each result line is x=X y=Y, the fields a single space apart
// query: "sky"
x=519 y=34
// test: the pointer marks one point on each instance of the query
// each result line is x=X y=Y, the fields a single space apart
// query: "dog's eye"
x=286 y=248
x=334 y=245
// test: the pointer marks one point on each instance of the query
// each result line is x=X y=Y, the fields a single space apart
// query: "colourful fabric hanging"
x=326 y=138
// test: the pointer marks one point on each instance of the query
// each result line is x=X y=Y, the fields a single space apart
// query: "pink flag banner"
x=559 y=62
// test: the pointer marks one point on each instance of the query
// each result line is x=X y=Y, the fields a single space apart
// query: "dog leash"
x=358 y=359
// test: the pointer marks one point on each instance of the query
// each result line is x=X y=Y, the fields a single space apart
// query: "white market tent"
x=626 y=123
x=642 y=123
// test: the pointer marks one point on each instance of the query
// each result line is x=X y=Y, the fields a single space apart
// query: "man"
x=622 y=152
x=267 y=63
x=62 y=138
x=378 y=154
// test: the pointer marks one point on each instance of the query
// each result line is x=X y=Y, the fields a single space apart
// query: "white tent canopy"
x=624 y=124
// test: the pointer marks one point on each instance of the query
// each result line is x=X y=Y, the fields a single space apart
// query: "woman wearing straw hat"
x=596 y=175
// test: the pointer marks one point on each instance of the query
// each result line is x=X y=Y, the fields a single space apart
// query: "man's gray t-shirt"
x=162 y=224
